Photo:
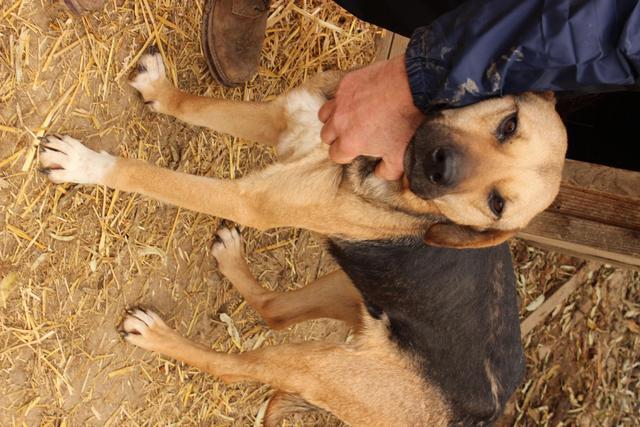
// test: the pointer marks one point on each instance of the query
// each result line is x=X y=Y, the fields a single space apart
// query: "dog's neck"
x=359 y=176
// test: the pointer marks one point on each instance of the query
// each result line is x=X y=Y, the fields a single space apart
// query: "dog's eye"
x=508 y=127
x=496 y=203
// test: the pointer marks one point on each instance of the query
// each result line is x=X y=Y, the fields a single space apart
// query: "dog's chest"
x=302 y=134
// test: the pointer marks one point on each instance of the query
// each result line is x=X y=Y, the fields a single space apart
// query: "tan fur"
x=459 y=236
x=321 y=196
x=283 y=404
x=306 y=189
x=368 y=382
x=526 y=170
x=332 y=296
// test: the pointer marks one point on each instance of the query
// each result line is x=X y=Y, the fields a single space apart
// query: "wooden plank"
x=558 y=297
x=601 y=178
x=399 y=46
x=579 y=252
x=606 y=242
x=610 y=209
x=390 y=45
x=384 y=46
x=596 y=215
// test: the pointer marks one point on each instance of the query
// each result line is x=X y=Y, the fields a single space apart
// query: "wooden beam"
x=616 y=280
x=390 y=45
x=398 y=46
x=601 y=178
x=582 y=236
x=559 y=296
x=383 y=46
x=596 y=215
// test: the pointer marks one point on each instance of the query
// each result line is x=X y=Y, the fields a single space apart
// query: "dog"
x=437 y=337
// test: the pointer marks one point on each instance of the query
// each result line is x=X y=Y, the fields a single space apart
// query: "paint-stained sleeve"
x=496 y=47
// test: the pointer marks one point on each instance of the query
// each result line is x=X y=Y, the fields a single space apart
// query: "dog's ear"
x=464 y=237
x=547 y=96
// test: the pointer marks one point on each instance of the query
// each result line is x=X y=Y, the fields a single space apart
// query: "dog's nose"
x=441 y=166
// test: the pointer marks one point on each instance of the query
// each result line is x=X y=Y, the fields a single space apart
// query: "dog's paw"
x=144 y=328
x=151 y=81
x=227 y=250
x=65 y=159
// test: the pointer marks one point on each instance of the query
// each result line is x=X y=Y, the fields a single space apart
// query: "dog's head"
x=488 y=167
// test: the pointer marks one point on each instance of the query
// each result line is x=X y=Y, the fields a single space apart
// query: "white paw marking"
x=66 y=159
x=150 y=78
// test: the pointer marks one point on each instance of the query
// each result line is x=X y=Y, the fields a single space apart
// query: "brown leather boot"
x=80 y=7
x=232 y=36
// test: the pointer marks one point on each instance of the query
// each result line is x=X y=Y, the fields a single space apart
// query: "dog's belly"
x=454 y=311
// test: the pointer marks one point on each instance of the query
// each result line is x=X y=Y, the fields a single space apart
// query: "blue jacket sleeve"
x=494 y=47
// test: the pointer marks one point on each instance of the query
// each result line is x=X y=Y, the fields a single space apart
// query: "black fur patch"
x=454 y=310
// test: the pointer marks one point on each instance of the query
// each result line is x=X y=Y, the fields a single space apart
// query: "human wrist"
x=402 y=89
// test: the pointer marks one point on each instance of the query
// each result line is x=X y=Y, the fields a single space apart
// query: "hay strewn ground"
x=583 y=363
x=72 y=257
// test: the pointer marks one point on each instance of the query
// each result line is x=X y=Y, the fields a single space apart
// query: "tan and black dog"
x=437 y=333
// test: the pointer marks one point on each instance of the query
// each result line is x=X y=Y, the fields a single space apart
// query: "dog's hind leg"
x=257 y=121
x=332 y=296
x=365 y=383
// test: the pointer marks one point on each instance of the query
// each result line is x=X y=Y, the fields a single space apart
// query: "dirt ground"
x=73 y=257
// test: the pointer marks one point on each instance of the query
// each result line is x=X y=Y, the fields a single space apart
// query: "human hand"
x=372 y=114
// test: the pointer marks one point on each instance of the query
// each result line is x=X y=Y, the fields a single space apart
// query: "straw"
x=73 y=257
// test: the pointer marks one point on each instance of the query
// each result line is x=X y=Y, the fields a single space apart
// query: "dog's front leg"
x=258 y=121
x=263 y=200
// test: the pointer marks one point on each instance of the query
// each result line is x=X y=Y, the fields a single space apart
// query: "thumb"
x=338 y=154
x=326 y=111
x=390 y=171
